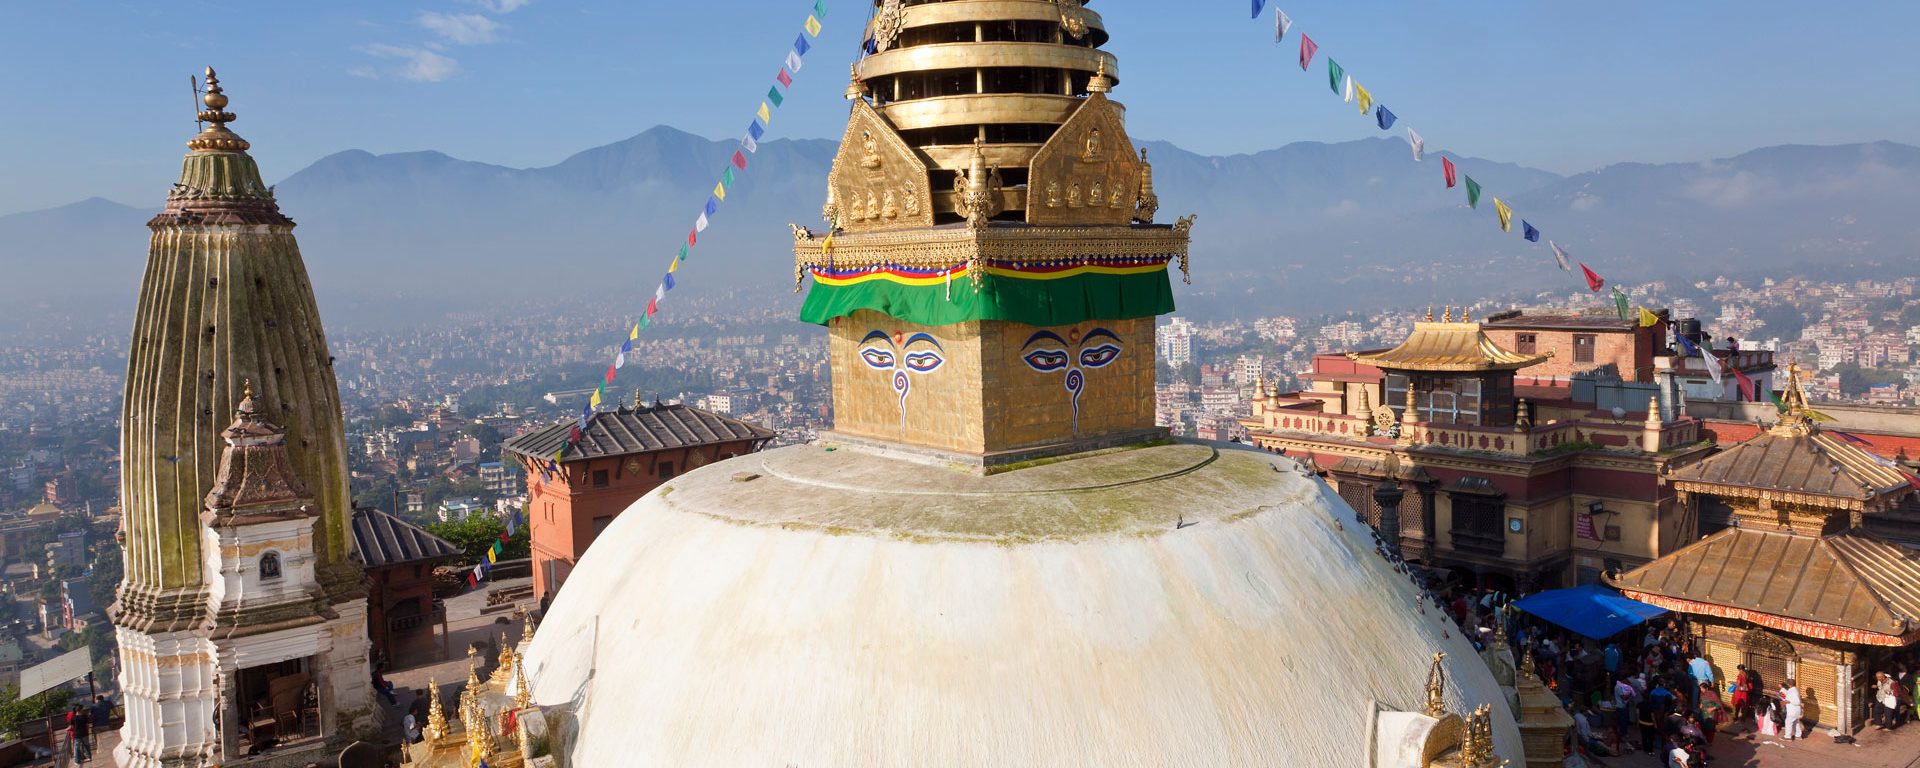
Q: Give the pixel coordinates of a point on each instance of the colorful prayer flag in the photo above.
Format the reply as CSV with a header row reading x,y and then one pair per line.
x,y
726,177
774,96
666,281
1446,168
801,46
747,143
493,556
820,8
1560,255
683,252
1419,145
813,27
720,191
1527,231
693,238
635,334
1335,74
756,130
1740,379
1365,99
1307,49
1280,25
620,359
1620,305
765,115
653,305
1775,399
793,62
1648,319
700,224
1473,193
786,80
1594,280
739,160
1346,89
1712,362
1383,117
1257,5
609,374
594,399
673,266
1505,212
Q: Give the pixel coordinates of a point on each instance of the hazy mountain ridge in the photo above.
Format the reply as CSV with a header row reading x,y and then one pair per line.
x,y
1276,228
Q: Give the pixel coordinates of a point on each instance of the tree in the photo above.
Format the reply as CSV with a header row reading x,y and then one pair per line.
x,y
1855,380
475,534
1190,373
15,712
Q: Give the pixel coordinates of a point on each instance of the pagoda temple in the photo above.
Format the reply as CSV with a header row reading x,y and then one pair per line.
x,y
1790,583
240,620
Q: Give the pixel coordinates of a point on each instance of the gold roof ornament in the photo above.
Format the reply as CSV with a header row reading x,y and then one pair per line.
x,y
215,137
1526,660
436,713
1797,415
1100,83
1448,347
1437,686
1476,746
506,655
522,695
526,627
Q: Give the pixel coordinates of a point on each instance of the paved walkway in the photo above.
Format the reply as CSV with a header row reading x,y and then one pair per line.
x,y
1742,749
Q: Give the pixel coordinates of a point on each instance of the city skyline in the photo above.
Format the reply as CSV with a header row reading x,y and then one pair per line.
x,y
547,79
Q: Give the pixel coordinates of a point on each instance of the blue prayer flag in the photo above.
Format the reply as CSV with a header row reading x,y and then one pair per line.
x,y
1257,5
668,281
713,205
1526,230
1384,117
626,346
756,130
801,46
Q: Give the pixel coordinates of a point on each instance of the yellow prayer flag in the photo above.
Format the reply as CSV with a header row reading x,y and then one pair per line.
x,y
1506,214
813,26
826,246
595,399
634,335
766,118
675,266
720,191
1364,99
1648,319
1817,416
491,557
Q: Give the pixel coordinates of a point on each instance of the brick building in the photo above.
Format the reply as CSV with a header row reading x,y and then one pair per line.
x,y
623,454
401,612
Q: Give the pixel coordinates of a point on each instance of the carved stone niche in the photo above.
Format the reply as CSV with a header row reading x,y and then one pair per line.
x,y
878,181
1088,173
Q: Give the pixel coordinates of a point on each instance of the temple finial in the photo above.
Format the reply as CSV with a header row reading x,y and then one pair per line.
x,y
215,137
1429,313
1100,83
246,406
1437,687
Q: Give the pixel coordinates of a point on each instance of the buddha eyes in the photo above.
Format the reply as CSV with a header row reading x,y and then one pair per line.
x,y
922,362
1099,356
877,358
1045,360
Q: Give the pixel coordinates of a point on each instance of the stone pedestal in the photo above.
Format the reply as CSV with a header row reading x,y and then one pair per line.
x,y
1543,723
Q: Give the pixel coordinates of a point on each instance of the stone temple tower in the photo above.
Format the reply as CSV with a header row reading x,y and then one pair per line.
x,y
213,629
992,267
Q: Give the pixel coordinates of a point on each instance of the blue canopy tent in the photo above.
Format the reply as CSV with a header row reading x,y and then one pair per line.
x,y
1592,610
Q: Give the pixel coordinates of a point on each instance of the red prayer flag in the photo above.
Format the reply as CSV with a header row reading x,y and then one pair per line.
x,y
575,436
1594,280
1746,384
610,374
785,79
653,305
1307,48
739,160
1446,167
693,237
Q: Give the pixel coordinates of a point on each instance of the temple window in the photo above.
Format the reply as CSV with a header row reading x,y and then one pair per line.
x,y
1479,523
1583,347
1525,343
270,566
600,478
666,469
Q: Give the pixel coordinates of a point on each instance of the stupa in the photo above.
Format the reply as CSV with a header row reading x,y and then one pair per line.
x,y
995,557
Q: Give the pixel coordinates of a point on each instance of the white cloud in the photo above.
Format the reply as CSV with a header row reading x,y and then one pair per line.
x,y
462,28
416,64
502,6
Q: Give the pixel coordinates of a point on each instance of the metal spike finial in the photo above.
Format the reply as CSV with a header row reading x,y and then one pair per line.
x,y
1437,687
215,137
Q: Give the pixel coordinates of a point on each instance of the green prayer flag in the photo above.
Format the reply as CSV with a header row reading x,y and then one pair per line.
x,y
1473,193
646,320
1620,304
1775,399
1334,73
820,8
726,177
683,251
773,95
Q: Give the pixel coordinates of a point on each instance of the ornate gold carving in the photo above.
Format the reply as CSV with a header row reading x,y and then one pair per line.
x,y
1073,19
941,248
436,714
976,191
1091,158
216,137
886,25
1053,194
1184,227
1145,203
878,180
1437,687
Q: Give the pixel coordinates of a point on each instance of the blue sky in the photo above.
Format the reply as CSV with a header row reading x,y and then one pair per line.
x,y
101,100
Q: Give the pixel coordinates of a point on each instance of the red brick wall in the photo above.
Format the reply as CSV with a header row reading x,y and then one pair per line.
x,y
1631,352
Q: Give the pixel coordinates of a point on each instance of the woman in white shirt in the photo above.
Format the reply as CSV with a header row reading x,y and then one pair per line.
x,y
1790,696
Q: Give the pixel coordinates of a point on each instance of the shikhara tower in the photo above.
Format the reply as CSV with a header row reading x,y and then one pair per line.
x,y
238,587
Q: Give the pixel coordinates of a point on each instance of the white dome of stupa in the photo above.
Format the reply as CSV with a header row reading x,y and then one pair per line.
x,y
1176,605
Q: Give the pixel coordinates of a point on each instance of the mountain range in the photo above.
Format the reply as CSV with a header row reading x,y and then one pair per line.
x,y
1307,227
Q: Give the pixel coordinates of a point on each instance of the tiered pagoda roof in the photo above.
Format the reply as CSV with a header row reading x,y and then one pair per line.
x,y
1446,346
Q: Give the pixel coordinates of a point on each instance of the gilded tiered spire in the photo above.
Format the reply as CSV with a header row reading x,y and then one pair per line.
x,y
436,713
1797,415
215,137
1437,687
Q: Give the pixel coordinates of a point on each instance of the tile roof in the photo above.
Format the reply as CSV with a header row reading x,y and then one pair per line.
x,y
1447,347
1601,320
637,430
1794,460
383,539
1853,580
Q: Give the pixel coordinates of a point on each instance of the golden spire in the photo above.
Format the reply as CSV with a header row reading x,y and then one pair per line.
x,y
436,714
1437,687
522,695
1429,313
1466,315
215,137
506,654
1797,415
1476,746
1100,83
1448,317
855,87
1526,660
526,627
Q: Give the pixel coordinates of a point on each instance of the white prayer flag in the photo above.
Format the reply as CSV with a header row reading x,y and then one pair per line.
x,y
1712,362
659,292
793,61
700,224
620,360
1560,256
748,143
1280,25
1419,145
1347,89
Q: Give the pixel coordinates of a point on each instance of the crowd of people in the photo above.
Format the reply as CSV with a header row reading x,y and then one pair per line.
x,y
1652,689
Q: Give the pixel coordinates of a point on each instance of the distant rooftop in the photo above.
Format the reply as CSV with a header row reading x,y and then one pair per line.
x,y
383,539
643,429
1601,320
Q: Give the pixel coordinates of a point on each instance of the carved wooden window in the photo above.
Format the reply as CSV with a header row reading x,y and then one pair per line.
x,y
1479,524
270,566
1525,343
599,478
1583,347
666,469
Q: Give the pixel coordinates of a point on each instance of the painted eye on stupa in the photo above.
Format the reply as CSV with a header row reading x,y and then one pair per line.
x,y
1046,360
877,358
1096,357
923,362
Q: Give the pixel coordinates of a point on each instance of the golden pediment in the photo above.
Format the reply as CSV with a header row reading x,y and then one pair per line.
x,y
878,180
1088,173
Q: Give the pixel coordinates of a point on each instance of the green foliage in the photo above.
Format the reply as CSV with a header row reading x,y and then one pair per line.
x,y
476,534
1783,320
1855,380
14,711
1910,316
1190,374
